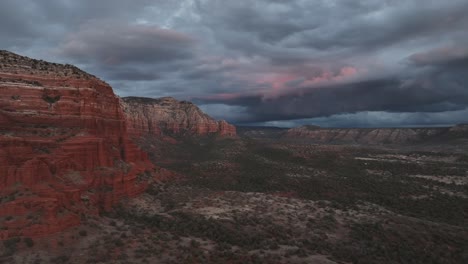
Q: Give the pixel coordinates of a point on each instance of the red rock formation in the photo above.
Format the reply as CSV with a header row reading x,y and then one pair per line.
x,y
64,148
167,116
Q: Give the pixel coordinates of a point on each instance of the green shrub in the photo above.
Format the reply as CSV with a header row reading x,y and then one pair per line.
x,y
51,99
11,245
28,241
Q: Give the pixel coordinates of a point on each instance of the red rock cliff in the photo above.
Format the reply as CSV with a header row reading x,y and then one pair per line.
x,y
64,149
167,116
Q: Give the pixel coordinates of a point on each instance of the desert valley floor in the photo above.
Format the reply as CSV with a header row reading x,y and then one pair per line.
x,y
262,198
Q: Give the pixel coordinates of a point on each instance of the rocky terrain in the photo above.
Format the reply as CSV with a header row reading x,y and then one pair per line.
x,y
276,201
376,135
75,189
169,117
64,148
261,132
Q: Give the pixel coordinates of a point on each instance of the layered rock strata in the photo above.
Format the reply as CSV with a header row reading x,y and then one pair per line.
x,y
375,135
167,116
64,148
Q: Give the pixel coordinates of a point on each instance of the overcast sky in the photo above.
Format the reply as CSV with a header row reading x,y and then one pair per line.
x,y
269,62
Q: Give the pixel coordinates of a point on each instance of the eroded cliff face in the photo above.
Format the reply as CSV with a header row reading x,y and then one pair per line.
x,y
64,148
367,135
167,116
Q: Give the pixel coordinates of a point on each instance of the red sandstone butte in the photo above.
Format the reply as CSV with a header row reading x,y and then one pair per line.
x,y
167,116
64,148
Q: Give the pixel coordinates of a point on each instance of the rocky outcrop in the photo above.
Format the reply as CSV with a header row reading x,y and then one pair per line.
x,y
460,129
167,116
365,135
64,148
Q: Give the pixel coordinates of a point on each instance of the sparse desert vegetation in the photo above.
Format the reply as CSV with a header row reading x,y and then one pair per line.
x,y
272,201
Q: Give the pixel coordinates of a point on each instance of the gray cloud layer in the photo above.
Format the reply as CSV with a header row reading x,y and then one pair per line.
x,y
262,61
107,42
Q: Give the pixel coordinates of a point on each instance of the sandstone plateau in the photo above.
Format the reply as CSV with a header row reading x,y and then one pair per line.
x,y
376,135
168,117
64,148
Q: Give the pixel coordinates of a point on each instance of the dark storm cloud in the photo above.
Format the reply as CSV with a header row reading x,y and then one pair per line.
x,y
341,62
26,22
252,26
355,30
451,56
109,43
269,27
14,29
379,29
437,90
130,74
379,119
441,87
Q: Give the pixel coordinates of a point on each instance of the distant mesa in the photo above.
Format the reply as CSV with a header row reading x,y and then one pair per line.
x,y
167,116
462,126
460,129
376,135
